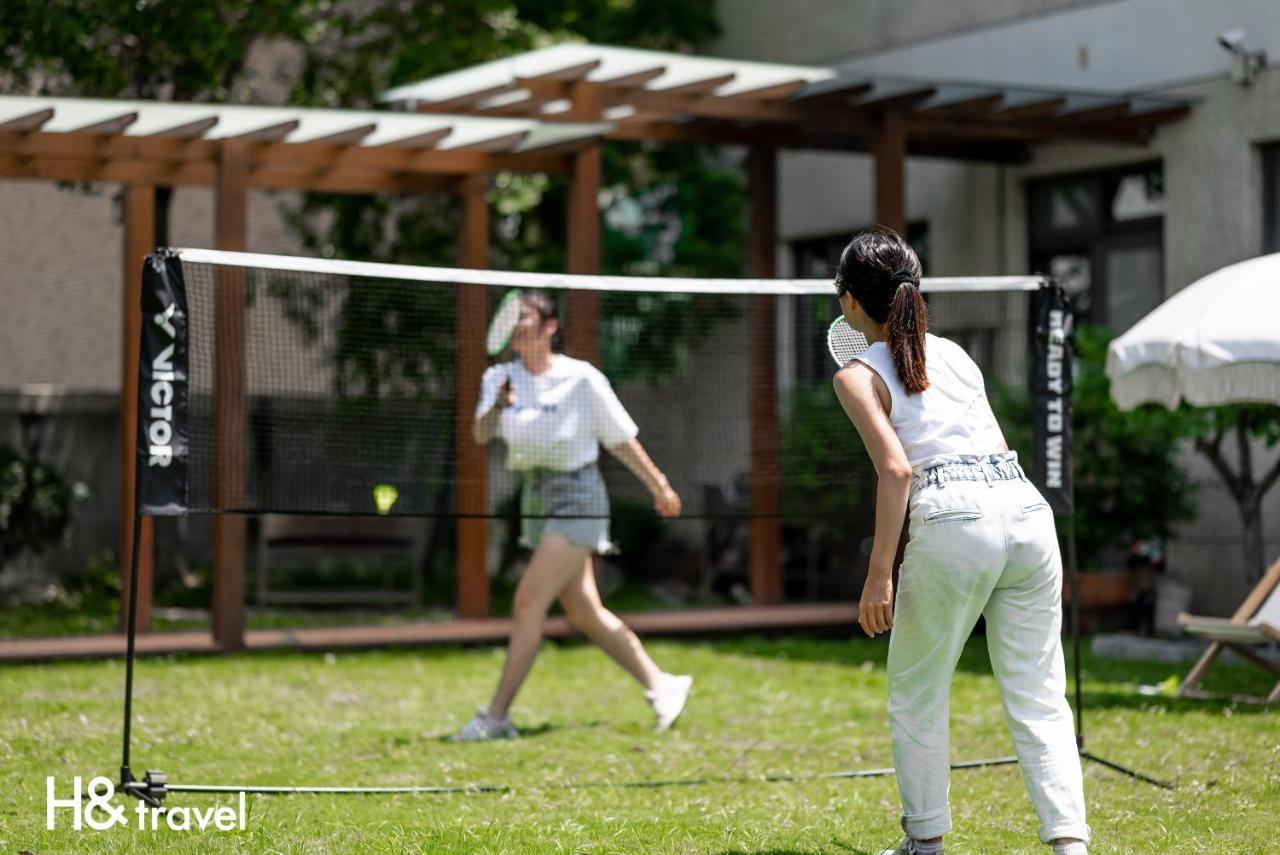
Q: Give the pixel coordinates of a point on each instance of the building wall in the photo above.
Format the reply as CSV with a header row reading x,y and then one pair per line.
x,y
821,31
976,214
1213,217
60,273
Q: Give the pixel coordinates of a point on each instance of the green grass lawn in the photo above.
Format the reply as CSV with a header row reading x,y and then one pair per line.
x,y
760,707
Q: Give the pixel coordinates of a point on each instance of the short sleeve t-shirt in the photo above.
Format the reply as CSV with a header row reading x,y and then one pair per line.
x,y
561,417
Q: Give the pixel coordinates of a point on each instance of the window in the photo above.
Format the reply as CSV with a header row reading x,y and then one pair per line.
x,y
1271,197
1100,235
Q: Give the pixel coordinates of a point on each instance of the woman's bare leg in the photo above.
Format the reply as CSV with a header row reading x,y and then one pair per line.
x,y
585,611
555,562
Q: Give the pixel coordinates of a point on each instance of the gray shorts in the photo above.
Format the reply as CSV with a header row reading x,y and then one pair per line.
x,y
572,504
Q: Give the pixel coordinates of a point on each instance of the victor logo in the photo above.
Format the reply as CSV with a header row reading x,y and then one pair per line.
x,y
160,421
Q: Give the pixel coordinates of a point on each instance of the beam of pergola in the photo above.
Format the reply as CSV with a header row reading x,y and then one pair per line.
x,y
179,161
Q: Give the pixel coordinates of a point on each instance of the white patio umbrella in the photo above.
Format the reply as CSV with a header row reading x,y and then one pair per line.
x,y
1217,341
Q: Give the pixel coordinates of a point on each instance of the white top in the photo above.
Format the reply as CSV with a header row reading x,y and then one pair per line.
x,y
560,417
952,416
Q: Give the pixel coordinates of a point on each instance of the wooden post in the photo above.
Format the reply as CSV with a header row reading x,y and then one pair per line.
x,y
766,527
230,401
139,239
582,335
473,547
889,145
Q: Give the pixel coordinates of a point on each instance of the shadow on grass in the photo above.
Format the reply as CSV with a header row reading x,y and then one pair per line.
x,y
1097,699
1119,678
530,732
839,847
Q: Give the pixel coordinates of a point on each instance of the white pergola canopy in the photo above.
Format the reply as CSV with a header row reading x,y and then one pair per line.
x,y
363,128
492,83
663,95
1215,342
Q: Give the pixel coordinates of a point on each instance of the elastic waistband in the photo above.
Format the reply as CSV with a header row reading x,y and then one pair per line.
x,y
542,473
1001,466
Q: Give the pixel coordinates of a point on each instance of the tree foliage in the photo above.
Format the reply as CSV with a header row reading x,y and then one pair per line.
x,y
36,505
143,49
1249,425
670,209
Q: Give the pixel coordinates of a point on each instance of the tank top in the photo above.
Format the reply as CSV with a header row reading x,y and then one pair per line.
x,y
952,416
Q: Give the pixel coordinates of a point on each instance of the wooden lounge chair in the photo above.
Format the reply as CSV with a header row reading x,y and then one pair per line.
x,y
1257,621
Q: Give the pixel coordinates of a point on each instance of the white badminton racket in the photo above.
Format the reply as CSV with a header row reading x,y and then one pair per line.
x,y
503,326
844,342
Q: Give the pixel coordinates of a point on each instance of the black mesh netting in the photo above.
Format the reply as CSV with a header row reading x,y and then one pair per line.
x,y
350,395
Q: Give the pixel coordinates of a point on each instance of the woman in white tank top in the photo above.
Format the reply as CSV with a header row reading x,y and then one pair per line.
x,y
982,542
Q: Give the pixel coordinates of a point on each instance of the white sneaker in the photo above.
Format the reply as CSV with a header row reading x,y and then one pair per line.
x,y
907,847
669,698
485,726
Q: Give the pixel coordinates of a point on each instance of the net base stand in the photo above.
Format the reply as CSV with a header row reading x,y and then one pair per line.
x,y
152,789
1123,770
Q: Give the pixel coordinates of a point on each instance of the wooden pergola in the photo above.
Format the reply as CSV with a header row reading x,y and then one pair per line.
x,y
651,95
143,145
544,112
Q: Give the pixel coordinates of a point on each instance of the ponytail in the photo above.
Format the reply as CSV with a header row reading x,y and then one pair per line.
x,y
908,319
883,272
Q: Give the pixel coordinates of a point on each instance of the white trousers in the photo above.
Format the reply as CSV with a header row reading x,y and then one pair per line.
x,y
982,541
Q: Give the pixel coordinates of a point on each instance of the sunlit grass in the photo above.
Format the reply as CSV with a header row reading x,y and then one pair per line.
x,y
760,707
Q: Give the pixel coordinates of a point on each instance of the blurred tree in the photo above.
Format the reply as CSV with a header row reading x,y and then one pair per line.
x,y
672,207
153,49
36,504
668,209
1250,423
144,49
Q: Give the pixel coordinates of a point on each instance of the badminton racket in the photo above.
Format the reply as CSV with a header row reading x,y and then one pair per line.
x,y
503,325
844,342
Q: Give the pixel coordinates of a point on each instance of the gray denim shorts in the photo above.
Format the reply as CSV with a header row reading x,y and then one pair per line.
x,y
572,504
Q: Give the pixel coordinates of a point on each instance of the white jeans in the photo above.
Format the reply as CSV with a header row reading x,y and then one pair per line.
x,y
982,541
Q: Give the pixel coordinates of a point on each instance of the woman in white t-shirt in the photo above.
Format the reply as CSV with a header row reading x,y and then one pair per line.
x,y
982,542
554,412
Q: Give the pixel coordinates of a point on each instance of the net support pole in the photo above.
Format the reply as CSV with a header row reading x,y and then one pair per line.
x,y
766,528
230,401
139,239
473,546
582,232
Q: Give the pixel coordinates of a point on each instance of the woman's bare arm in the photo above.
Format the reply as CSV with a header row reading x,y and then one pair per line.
x,y
634,457
855,387
486,426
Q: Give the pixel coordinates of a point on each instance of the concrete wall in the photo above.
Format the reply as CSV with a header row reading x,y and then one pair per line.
x,y
60,274
1213,217
824,31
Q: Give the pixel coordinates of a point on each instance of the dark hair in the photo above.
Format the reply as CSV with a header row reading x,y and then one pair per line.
x,y
542,303
882,272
